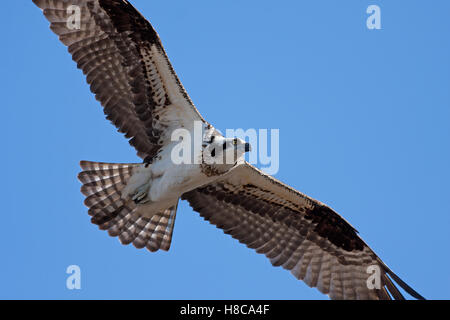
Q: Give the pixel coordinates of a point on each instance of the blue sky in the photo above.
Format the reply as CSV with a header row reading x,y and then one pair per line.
x,y
364,127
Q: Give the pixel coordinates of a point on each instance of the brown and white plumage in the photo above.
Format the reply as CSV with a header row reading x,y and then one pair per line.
x,y
294,231
126,67
102,186
129,73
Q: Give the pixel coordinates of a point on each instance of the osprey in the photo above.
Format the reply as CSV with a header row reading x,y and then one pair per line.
x,y
128,71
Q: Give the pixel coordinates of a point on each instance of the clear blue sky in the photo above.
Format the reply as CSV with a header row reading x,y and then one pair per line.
x,y
364,127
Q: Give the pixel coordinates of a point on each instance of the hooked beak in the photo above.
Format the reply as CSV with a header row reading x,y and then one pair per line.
x,y
248,147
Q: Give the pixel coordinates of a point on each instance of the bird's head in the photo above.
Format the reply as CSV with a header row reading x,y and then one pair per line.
x,y
227,151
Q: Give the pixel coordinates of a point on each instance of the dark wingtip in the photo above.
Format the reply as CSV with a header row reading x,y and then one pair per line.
x,y
39,3
413,293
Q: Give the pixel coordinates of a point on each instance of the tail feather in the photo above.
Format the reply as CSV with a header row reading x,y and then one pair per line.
x,y
158,231
141,238
102,185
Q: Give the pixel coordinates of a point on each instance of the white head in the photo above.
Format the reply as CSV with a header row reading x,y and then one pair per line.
x,y
226,151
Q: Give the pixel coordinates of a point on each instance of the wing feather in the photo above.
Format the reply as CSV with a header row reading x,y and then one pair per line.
x,y
126,67
294,231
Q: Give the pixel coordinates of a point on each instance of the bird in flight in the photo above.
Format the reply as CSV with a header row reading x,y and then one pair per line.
x,y
130,74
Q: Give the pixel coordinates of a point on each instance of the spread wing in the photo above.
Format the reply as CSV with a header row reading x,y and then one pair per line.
x,y
126,67
296,232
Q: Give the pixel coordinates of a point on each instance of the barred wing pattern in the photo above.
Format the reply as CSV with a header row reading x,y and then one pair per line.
x,y
102,186
128,71
296,232
126,67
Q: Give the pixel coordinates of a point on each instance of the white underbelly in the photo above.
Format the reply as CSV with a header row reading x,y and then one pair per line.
x,y
175,181
164,181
